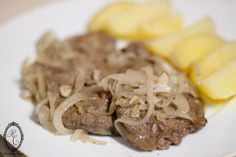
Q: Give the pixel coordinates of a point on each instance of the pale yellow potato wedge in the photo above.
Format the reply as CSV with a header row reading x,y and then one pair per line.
x,y
164,46
192,48
220,84
126,25
100,19
162,25
213,61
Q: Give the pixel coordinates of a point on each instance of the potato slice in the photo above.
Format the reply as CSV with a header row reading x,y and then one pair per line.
x,y
162,25
220,84
193,48
164,46
100,19
210,63
126,25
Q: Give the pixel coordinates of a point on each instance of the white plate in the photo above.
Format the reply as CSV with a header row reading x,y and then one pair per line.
x,y
17,41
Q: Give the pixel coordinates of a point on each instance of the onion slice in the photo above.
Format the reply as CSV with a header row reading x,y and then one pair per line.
x,y
150,97
65,105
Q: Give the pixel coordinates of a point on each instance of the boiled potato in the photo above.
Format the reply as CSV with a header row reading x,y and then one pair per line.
x,y
220,84
193,48
164,46
213,61
162,25
101,18
126,25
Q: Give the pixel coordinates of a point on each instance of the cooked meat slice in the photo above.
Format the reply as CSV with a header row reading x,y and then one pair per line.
x,y
196,112
82,62
85,115
84,55
161,134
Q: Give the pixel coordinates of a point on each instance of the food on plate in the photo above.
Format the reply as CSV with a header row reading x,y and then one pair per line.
x,y
165,46
193,48
137,21
156,134
213,61
222,83
85,84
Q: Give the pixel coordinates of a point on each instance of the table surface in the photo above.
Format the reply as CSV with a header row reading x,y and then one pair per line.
x,y
11,8
5,151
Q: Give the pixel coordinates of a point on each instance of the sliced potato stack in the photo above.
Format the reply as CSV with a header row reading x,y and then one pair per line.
x,y
222,83
215,74
137,21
